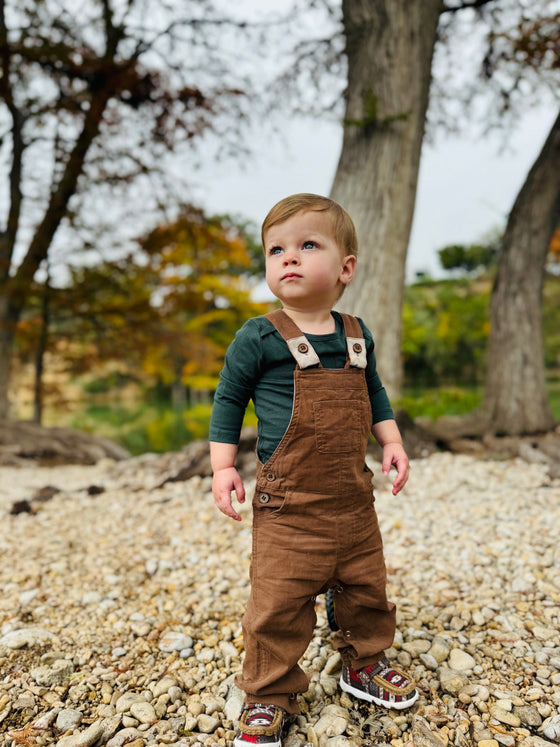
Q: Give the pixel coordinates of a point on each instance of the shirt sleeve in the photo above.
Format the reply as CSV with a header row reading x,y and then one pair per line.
x,y
380,406
237,383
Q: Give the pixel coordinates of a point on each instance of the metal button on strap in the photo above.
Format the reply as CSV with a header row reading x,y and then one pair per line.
x,y
347,634
357,347
303,348
264,498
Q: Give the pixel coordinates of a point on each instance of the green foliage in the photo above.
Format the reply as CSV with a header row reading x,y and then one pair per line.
x,y
434,403
445,330
551,322
472,258
146,427
446,325
111,382
554,397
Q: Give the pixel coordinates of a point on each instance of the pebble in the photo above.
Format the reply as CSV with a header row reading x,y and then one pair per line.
x,y
460,660
121,616
439,649
68,719
174,641
504,717
143,712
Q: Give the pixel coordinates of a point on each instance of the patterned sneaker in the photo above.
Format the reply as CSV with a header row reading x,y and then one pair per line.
x,y
381,684
260,724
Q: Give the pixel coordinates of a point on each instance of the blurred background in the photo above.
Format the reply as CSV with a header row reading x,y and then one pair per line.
x,y
142,143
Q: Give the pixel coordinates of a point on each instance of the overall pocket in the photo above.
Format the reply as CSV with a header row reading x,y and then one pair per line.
x,y
339,426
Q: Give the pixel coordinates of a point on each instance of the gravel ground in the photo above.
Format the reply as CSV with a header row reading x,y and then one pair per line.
x,y
121,604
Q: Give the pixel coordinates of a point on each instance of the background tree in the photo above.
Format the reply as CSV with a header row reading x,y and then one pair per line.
x,y
377,173
94,98
470,258
516,398
516,402
161,316
389,48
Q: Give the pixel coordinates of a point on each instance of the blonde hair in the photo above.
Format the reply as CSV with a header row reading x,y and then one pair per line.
x,y
344,231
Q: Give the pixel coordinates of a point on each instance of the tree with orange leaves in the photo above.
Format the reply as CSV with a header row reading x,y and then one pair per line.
x,y
165,313
99,105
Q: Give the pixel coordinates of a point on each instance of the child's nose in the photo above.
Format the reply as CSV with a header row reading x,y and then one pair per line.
x,y
291,257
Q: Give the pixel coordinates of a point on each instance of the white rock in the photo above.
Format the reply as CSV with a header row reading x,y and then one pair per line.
x,y
55,675
429,661
173,640
144,712
332,722
44,721
68,719
126,701
228,649
439,649
124,736
212,703
164,685
83,738
233,706
207,724
460,660
26,637
551,727
334,663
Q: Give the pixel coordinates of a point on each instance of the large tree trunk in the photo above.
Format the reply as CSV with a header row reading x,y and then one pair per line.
x,y
389,45
515,398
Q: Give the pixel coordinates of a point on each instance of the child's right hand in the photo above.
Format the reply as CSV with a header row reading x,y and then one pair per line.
x,y
224,481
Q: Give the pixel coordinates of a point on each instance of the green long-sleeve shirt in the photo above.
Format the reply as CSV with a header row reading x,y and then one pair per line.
x,y
260,367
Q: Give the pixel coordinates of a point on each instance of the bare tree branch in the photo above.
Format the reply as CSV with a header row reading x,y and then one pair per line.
x,y
474,5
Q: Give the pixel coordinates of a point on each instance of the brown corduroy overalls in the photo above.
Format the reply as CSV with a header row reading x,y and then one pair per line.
x,y
315,526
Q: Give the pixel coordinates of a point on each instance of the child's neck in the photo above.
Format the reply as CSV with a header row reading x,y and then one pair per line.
x,y
315,322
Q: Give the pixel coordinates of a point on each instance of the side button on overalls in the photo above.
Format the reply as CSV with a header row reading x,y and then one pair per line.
x,y
315,526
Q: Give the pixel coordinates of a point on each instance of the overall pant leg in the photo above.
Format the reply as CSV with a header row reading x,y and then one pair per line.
x,y
366,619
280,616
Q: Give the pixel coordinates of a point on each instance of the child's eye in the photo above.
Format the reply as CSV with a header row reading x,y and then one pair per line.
x,y
275,250
309,245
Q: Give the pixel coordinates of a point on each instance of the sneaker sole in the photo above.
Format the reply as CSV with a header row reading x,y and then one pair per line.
x,y
378,701
244,743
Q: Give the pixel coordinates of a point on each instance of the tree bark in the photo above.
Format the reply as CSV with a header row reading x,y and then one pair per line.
x,y
516,399
389,46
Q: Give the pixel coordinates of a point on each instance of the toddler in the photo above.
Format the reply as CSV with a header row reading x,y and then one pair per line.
x,y
312,376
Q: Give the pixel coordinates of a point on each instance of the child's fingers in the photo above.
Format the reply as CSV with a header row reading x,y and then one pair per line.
x,y
402,477
223,502
239,489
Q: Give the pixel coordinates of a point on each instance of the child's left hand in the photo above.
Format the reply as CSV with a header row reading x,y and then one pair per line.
x,y
394,454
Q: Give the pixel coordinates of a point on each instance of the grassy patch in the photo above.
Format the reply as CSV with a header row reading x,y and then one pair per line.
x,y
434,403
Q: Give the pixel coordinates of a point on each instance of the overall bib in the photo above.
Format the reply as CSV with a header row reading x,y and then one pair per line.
x,y
315,526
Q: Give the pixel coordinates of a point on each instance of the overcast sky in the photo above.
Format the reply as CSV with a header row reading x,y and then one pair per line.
x,y
466,187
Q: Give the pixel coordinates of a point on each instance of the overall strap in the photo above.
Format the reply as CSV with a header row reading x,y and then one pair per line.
x,y
297,342
355,342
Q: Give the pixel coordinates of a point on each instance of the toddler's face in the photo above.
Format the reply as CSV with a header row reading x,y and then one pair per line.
x,y
304,265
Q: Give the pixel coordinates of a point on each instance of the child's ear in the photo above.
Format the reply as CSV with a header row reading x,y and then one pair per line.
x,y
348,268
